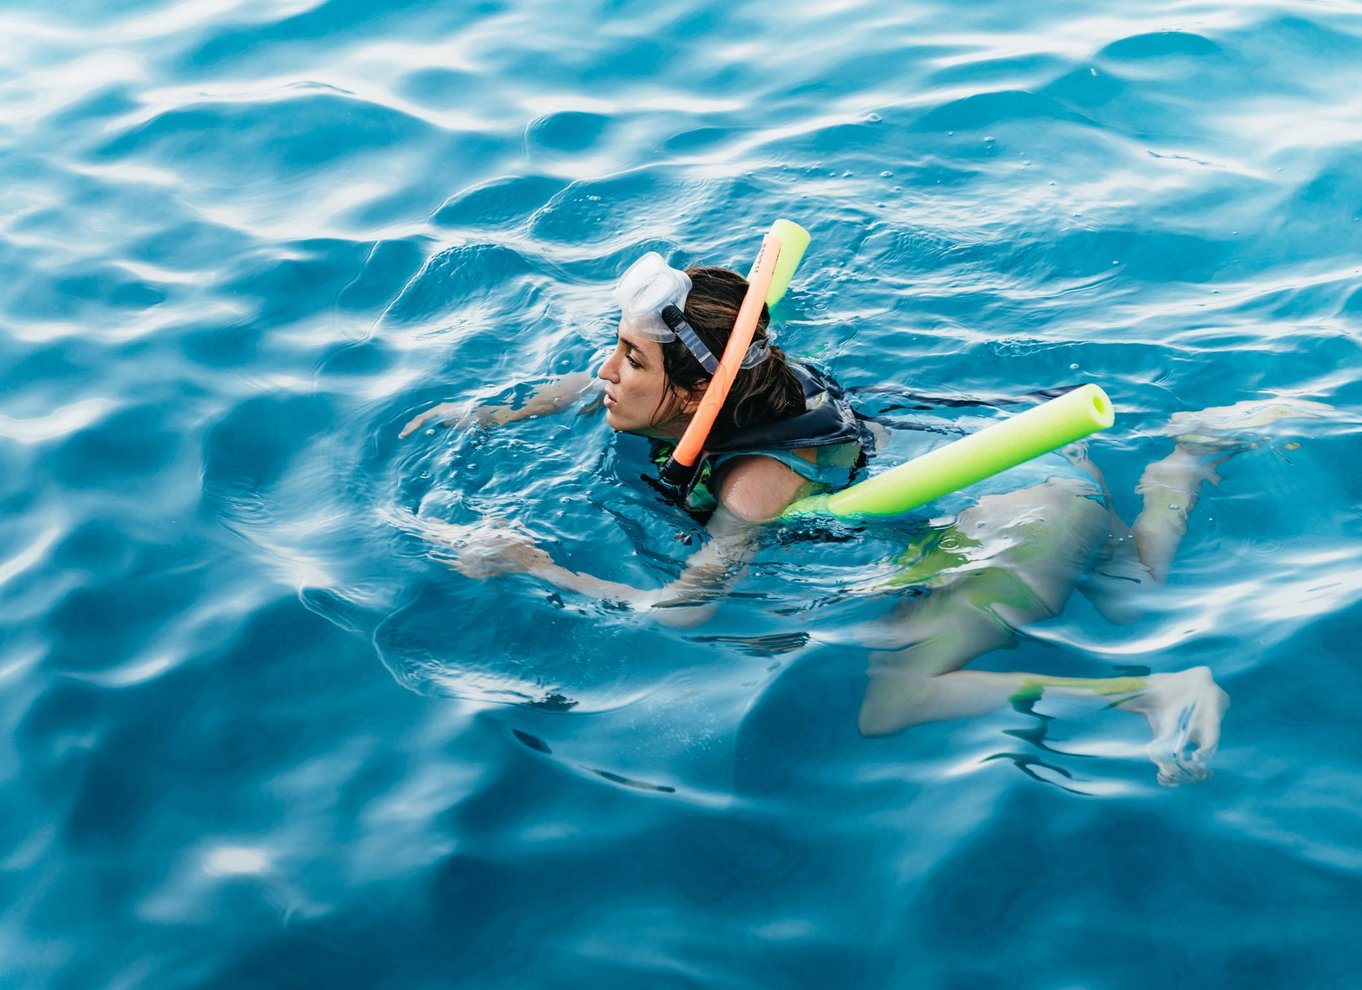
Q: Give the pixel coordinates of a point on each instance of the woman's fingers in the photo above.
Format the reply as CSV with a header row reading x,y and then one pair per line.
x,y
449,409
491,548
415,422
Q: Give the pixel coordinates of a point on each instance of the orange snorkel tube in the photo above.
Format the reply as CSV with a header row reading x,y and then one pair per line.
x,y
684,462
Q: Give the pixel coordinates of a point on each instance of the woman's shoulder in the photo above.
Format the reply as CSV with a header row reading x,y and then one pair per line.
x,y
757,488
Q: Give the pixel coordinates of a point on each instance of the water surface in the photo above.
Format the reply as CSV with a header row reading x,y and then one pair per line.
x,y
257,736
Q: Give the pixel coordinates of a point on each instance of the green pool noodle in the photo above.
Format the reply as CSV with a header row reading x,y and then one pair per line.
x,y
957,465
794,240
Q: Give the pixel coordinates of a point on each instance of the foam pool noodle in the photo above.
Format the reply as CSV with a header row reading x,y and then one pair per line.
x,y
992,450
794,240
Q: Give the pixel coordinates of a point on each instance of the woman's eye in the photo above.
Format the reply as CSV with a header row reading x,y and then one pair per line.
x,y
632,362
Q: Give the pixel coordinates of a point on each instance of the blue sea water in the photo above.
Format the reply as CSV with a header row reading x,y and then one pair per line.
x,y
257,732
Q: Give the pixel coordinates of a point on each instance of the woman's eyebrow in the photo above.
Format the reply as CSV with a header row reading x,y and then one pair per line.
x,y
634,349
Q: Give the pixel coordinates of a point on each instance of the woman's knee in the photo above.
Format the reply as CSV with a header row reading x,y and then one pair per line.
x,y
893,700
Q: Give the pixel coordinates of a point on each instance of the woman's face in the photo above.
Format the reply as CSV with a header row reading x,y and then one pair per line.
x,y
637,399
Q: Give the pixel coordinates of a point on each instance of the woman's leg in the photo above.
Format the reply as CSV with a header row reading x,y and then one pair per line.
x,y
1183,709
1170,488
1011,560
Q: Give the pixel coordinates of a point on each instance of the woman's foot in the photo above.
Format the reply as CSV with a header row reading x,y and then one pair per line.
x,y
1229,429
1184,712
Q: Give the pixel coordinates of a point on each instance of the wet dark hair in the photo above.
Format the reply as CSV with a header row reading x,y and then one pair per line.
x,y
762,394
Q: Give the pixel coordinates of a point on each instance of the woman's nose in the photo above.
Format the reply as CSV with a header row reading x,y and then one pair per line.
x,y
610,369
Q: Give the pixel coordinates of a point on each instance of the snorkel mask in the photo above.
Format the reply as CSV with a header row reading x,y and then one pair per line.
x,y
652,297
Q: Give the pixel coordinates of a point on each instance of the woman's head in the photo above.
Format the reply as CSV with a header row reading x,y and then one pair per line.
x,y
655,388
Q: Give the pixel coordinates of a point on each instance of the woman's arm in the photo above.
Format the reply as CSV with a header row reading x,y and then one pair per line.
x,y
753,491
493,548
690,598
552,396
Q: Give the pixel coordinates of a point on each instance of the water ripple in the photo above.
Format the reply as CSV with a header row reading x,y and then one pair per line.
x,y
260,728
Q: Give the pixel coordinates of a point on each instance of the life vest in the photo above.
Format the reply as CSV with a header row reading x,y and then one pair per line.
x,y
827,422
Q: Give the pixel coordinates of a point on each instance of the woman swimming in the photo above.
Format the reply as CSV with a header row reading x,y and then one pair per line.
x,y
786,430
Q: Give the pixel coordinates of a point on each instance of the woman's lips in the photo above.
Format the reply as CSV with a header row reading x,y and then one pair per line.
x,y
609,400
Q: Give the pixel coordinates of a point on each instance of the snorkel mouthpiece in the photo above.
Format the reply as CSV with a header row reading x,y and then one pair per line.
x,y
677,479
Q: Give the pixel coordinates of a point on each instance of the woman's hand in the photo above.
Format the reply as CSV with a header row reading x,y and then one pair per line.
x,y
488,549
447,409
460,415
552,397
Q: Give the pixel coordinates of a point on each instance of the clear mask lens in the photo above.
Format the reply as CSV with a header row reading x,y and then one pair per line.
x,y
646,288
